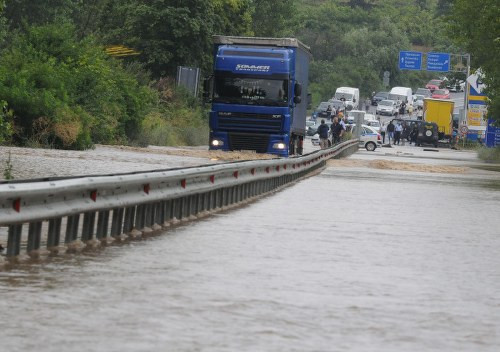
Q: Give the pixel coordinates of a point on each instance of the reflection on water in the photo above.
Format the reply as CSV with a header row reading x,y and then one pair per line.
x,y
355,259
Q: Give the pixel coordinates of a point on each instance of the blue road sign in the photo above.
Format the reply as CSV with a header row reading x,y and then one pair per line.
x,y
438,62
492,135
410,60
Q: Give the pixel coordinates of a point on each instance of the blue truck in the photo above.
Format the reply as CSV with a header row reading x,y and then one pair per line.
x,y
258,94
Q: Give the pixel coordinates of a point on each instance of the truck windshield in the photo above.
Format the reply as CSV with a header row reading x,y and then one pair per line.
x,y
250,90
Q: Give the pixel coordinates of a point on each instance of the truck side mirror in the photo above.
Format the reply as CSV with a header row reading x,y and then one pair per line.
x,y
297,99
309,101
298,89
207,88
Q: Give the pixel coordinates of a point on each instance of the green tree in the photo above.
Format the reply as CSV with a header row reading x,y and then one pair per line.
x,y
67,92
475,26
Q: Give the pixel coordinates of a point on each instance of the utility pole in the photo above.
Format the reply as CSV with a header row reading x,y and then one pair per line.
x,y
466,97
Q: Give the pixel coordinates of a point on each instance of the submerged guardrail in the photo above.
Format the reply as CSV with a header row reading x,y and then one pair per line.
x,y
97,208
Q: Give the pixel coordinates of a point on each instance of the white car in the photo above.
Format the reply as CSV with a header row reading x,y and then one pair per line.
x,y
418,102
369,139
387,107
373,123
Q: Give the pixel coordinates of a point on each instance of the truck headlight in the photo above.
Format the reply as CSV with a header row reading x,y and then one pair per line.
x,y
279,145
217,143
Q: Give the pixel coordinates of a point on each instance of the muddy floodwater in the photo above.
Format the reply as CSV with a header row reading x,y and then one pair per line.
x,y
365,256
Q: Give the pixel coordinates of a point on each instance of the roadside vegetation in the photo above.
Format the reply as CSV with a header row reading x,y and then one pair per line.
x,y
59,88
489,154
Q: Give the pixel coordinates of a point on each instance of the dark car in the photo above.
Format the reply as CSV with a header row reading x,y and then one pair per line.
x,y
410,125
428,134
379,97
322,109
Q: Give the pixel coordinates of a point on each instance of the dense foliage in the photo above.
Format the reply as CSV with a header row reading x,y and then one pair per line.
x,y
59,88
480,35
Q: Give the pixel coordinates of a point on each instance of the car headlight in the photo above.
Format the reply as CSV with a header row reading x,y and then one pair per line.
x,y
217,143
279,146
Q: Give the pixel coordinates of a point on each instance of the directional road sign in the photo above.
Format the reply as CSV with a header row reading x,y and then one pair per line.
x,y
410,60
476,81
438,62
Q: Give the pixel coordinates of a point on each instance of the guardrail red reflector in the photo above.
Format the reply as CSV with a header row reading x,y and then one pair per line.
x,y
278,168
253,171
212,178
183,183
235,174
93,195
267,169
146,188
16,205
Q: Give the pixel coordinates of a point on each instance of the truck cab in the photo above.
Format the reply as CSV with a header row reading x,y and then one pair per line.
x,y
258,93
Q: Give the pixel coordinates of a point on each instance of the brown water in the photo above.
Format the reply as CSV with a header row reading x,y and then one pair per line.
x,y
355,259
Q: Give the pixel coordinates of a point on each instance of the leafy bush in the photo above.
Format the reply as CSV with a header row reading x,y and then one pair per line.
x,y
489,154
67,93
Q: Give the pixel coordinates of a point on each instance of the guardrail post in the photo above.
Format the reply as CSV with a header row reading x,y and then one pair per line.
x,y
88,226
160,213
14,240
117,222
54,234
128,223
140,217
34,235
167,212
72,228
102,224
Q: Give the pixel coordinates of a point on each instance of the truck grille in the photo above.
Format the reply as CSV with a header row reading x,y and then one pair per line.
x,y
243,141
239,121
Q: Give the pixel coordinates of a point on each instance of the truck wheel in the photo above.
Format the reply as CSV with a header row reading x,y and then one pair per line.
x,y
370,146
292,147
300,145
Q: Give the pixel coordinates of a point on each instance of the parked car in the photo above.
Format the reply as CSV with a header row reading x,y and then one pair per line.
x,y
424,91
369,139
428,134
378,97
311,127
418,103
456,86
387,107
337,104
435,84
373,123
441,94
321,109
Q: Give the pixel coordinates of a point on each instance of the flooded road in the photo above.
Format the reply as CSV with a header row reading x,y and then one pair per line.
x,y
358,258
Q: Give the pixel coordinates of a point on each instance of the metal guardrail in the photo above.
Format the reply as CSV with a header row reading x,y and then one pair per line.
x,y
99,207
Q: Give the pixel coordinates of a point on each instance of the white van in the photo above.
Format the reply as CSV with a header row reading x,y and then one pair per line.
x,y
349,95
401,94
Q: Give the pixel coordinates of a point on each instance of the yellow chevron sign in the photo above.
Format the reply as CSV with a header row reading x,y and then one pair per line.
x,y
120,51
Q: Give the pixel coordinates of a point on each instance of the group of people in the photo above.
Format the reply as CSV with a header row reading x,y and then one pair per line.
x,y
331,135
332,112
395,132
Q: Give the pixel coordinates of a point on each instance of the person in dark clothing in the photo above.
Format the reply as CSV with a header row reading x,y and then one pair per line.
x,y
390,131
323,134
337,129
329,112
414,134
